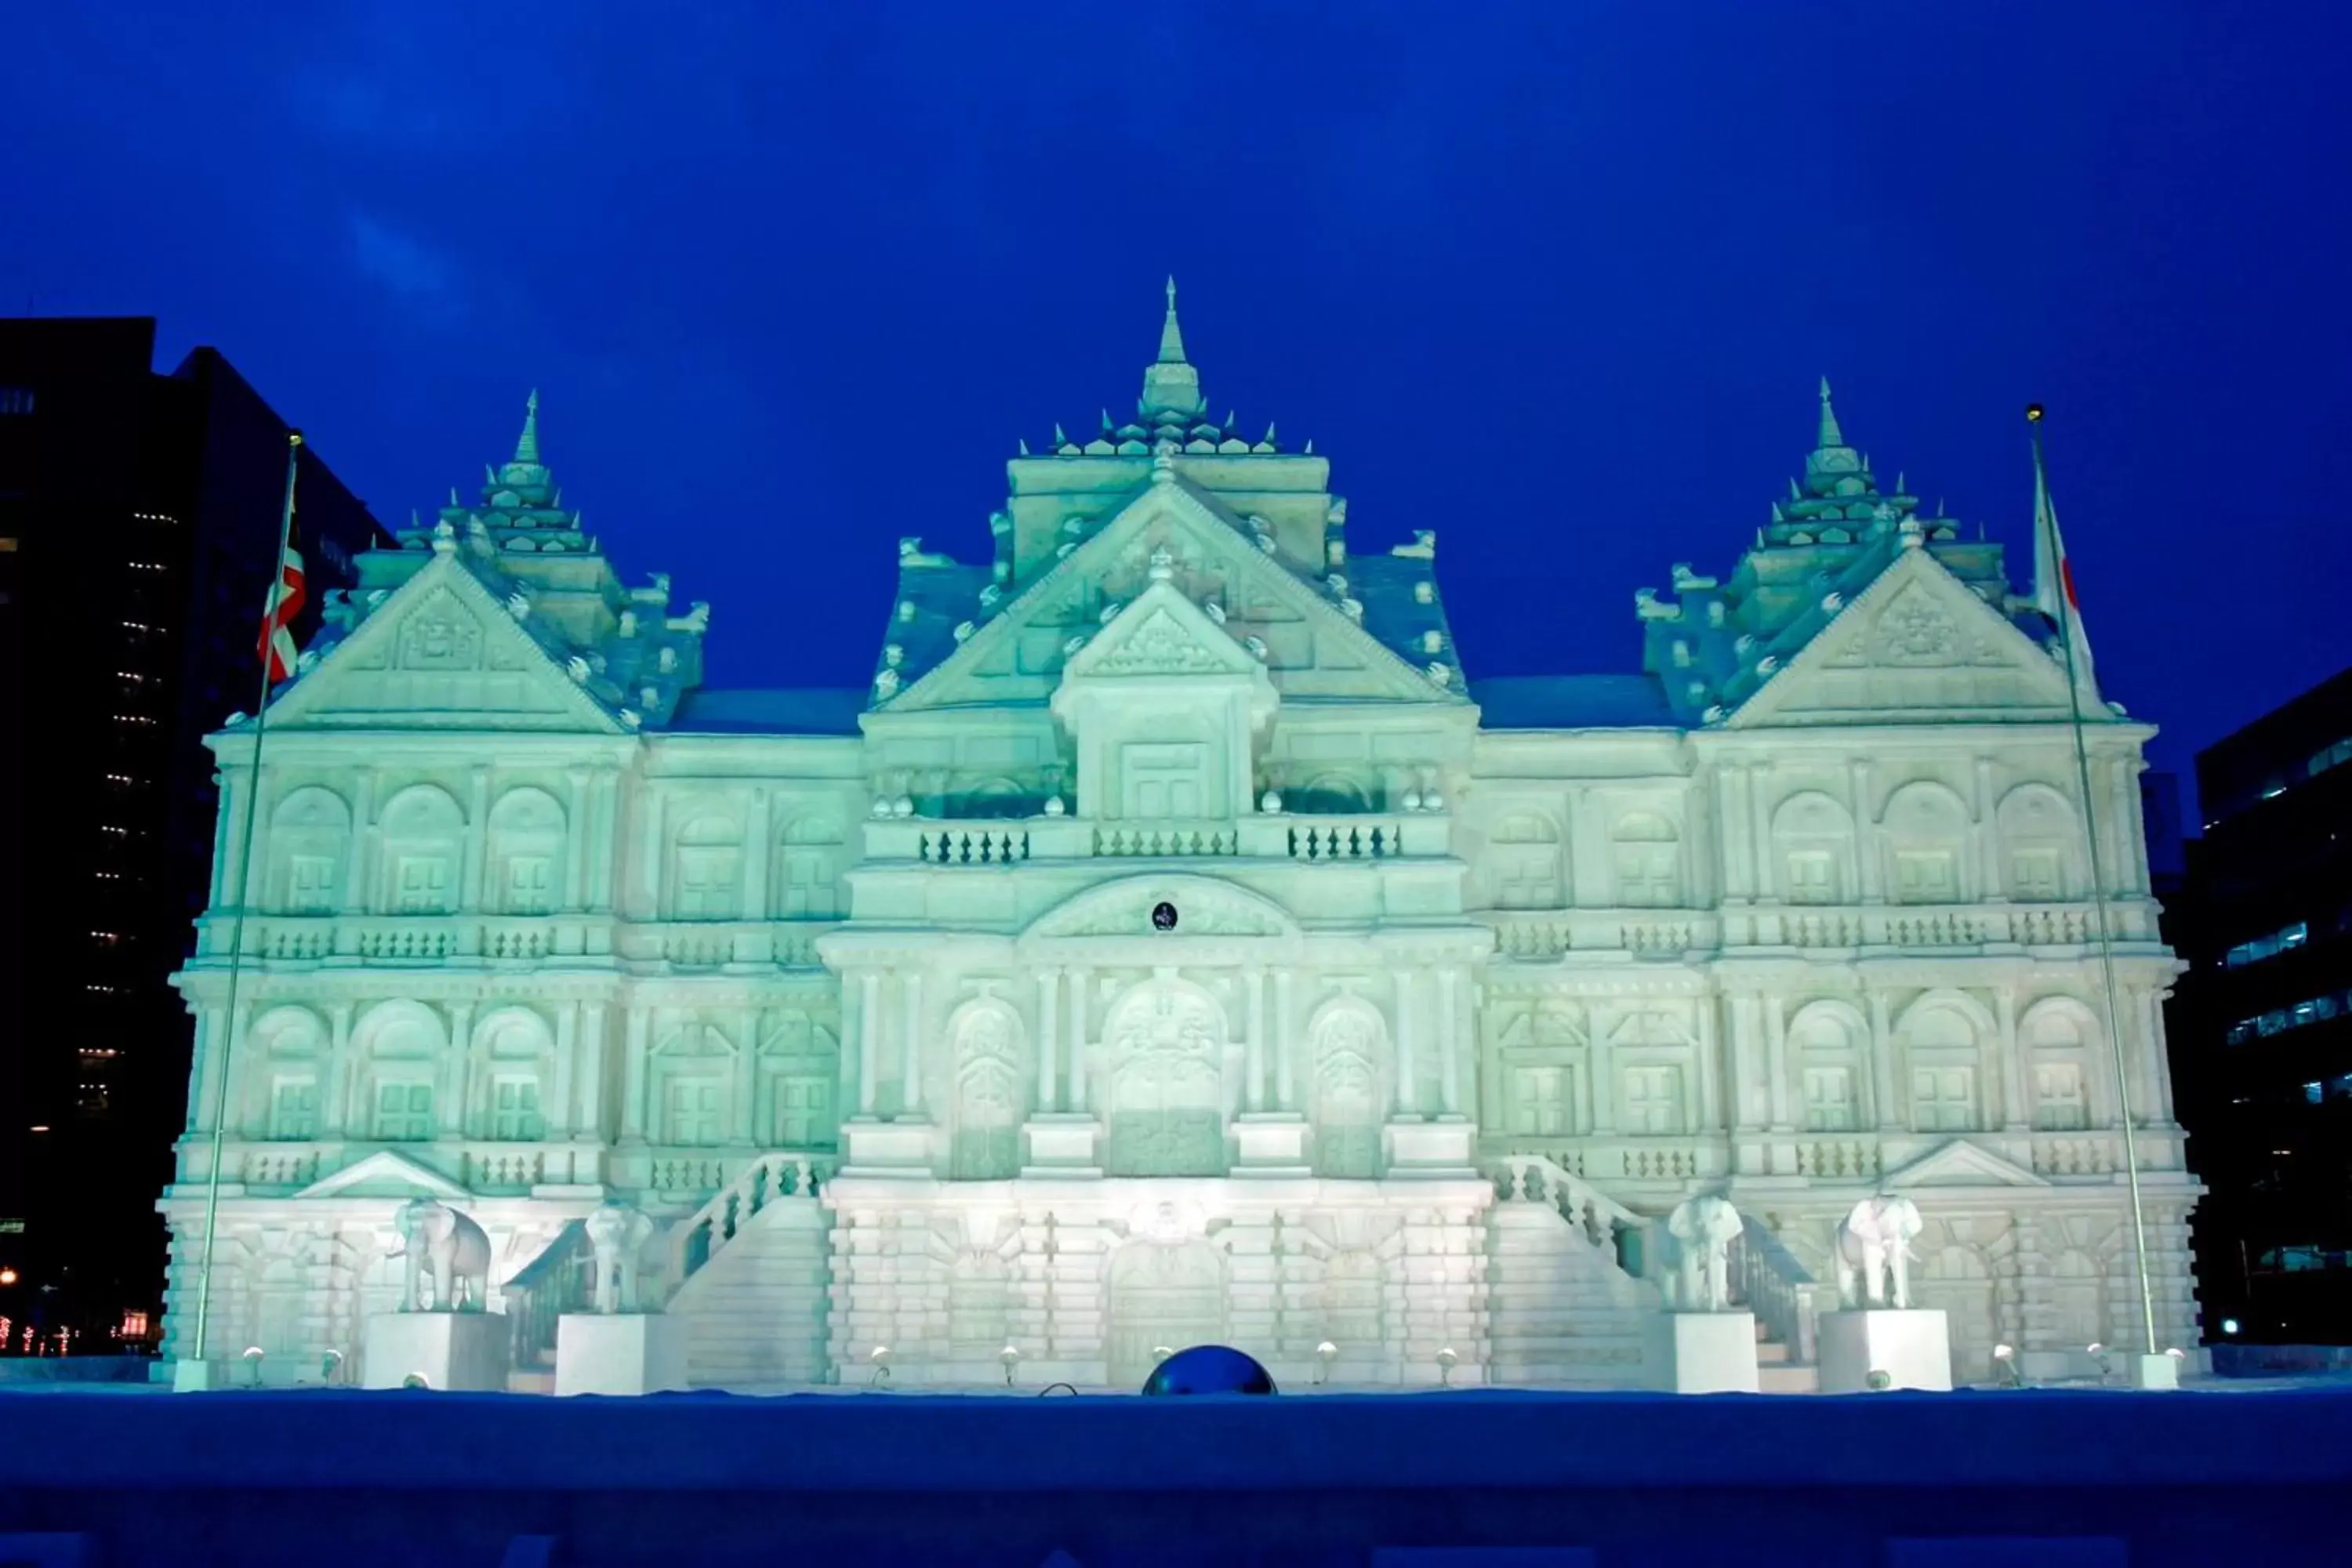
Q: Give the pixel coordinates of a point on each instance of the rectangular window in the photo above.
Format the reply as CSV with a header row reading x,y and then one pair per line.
x,y
1829,1100
1648,875
2034,876
2286,939
1926,876
694,1112
1812,876
1944,1099
809,886
421,885
312,880
800,1116
514,1111
2058,1103
403,1112
1654,1099
530,885
294,1108
707,878
1541,1100
15,402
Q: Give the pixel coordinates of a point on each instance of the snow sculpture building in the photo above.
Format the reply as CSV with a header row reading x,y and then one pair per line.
x,y
1172,945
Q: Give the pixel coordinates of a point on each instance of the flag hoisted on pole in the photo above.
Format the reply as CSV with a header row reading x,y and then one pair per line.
x,y
2053,595
274,651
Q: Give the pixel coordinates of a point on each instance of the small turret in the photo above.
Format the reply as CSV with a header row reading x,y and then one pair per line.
x,y
1171,383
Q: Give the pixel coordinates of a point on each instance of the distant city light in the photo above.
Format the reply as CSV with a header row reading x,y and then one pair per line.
x,y
2229,1325
40,1130
8,1276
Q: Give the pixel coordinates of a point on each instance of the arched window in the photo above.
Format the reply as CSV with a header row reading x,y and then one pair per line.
x,y
1825,1048
401,1046
309,833
424,844
1648,854
516,1058
1927,837
1813,838
526,853
2058,1036
290,1046
1940,1041
2042,845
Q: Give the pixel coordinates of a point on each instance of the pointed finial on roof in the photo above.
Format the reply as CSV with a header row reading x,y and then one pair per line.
x,y
1830,435
527,448
1024,445
1059,439
1171,335
1171,383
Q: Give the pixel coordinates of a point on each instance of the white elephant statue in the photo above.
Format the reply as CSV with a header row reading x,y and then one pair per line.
x,y
1702,1230
458,1251
617,1234
1873,1252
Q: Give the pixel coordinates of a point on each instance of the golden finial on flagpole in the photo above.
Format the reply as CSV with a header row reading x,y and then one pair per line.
x,y
2033,413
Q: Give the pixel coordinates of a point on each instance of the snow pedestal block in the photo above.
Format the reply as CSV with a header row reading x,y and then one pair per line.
x,y
1703,1353
620,1353
1912,1345
2154,1373
462,1350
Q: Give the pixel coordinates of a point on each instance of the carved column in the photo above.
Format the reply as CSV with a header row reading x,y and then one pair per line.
x,y
359,855
1739,869
632,1090
1407,1068
1710,1064
1079,1022
2157,1108
1283,1090
1990,881
910,1049
1604,1073
1886,1094
578,815
1867,868
1254,980
453,1120
739,1115
478,836
1048,1008
757,831
1449,1045
869,1040
1760,827
2016,1111
558,1114
1750,1097
605,843
650,878
1776,1062
337,1078
589,1075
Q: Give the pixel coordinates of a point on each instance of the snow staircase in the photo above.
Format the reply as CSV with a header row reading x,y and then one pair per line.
x,y
1561,1312
754,1262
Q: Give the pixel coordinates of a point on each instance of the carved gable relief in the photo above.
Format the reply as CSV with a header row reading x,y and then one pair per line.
x,y
1916,632
439,635
1161,646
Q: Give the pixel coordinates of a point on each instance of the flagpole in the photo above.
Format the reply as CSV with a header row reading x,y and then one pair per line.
x,y
2045,522
237,926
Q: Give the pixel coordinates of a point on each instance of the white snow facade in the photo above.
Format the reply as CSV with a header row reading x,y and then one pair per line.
x,y
1170,945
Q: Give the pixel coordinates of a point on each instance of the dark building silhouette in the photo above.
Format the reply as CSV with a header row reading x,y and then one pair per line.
x,y
139,519
2261,1025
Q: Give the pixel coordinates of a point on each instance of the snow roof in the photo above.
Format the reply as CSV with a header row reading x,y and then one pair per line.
x,y
1571,702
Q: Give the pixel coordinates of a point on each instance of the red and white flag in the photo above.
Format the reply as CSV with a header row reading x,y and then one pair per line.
x,y
2054,579
285,602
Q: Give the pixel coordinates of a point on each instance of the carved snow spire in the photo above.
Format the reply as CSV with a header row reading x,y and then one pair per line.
x,y
1830,436
527,446
1171,383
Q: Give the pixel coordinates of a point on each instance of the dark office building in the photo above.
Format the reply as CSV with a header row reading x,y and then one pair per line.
x,y
139,519
2262,1025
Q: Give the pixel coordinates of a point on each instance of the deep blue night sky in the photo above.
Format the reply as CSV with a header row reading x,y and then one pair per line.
x,y
1553,279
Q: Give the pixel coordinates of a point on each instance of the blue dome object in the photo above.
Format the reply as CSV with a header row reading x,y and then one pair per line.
x,y
1210,1369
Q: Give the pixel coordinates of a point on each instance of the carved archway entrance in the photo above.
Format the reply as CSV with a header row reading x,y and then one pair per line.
x,y
1166,1043
1163,1295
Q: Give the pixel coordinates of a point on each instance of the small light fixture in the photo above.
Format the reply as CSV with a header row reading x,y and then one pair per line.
x,y
8,1276
1446,1363
1879,1381
1327,1352
880,1356
253,1354
2004,1359
2229,1325
1010,1356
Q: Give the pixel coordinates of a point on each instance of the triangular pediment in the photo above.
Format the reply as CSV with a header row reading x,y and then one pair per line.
x,y
1915,646
442,652
384,1175
1162,633
1302,635
1960,1164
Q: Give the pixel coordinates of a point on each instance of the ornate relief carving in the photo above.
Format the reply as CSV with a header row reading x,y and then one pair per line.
x,y
1161,646
440,634
1916,632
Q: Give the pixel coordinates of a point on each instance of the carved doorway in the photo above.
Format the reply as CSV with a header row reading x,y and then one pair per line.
x,y
1162,1296
1347,1097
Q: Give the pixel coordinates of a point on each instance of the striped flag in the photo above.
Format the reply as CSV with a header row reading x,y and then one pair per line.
x,y
2054,574
286,597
